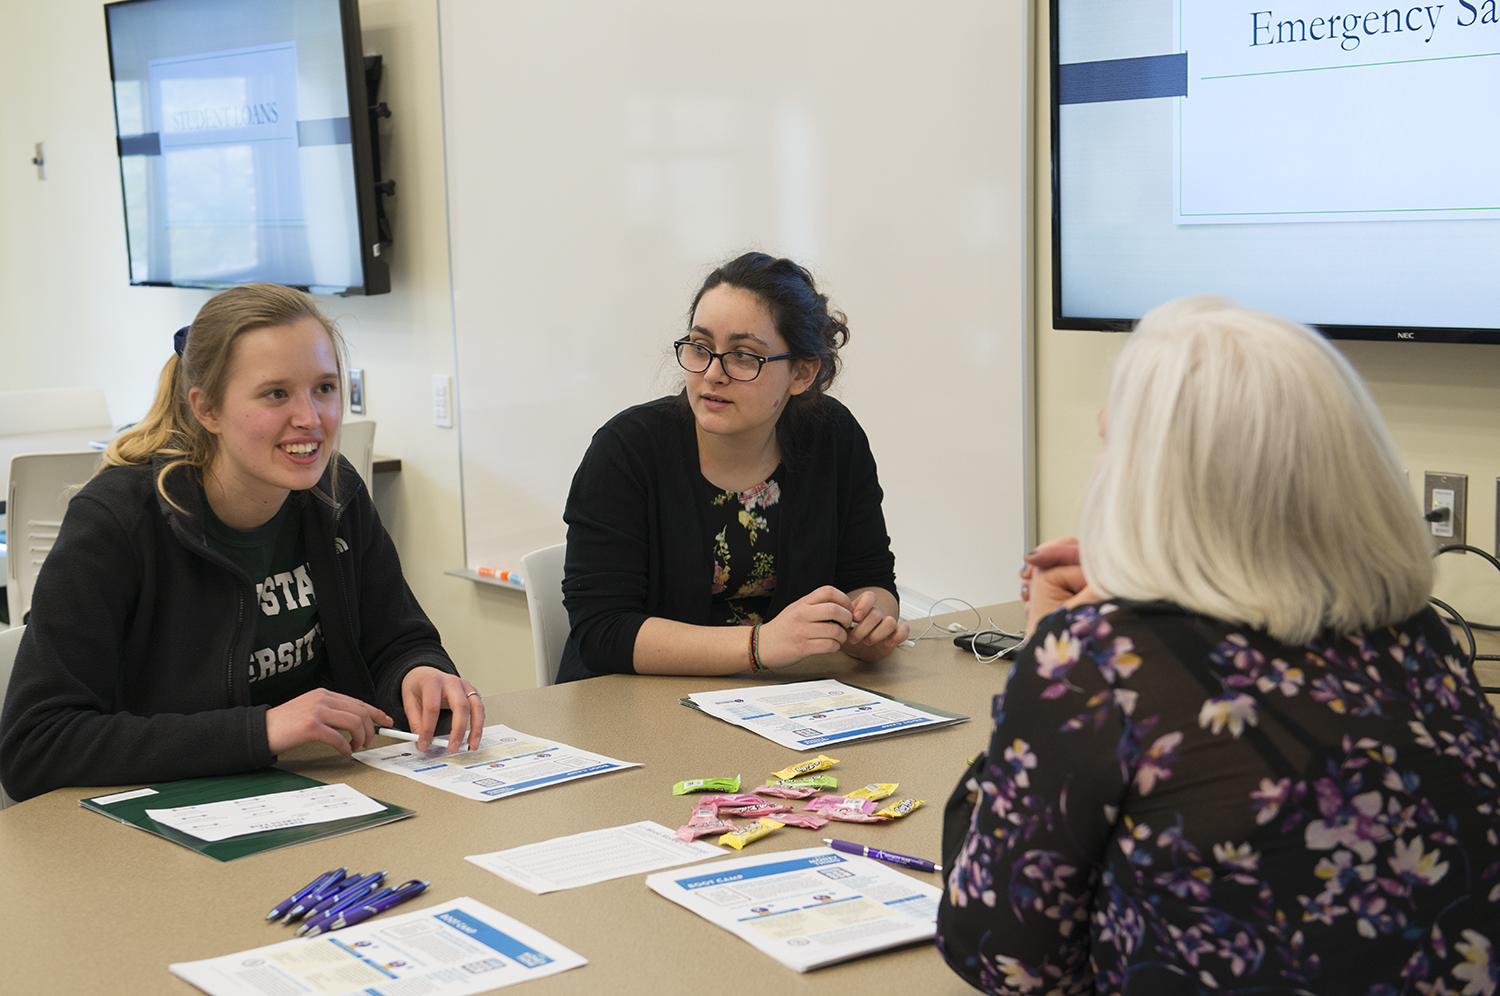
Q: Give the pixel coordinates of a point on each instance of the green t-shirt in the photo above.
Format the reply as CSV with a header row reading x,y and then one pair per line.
x,y
286,657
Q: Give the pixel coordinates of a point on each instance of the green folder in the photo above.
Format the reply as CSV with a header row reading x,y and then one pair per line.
x,y
130,808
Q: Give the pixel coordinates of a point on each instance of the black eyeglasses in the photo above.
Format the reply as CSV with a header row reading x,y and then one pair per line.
x,y
738,364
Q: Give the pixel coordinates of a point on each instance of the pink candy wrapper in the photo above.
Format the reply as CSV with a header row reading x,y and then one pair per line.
x,y
788,791
750,812
825,802
850,813
693,831
731,800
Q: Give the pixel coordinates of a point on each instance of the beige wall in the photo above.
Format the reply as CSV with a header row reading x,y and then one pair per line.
x,y
69,317
1441,402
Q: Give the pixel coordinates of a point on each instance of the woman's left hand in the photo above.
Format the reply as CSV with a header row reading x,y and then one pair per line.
x,y
426,691
874,634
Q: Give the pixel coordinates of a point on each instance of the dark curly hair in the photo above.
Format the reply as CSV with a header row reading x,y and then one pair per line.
x,y
800,313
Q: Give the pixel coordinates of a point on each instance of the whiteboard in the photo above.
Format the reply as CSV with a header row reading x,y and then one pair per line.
x,y
603,155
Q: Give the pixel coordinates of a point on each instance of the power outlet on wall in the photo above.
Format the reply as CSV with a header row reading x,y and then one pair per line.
x,y
1449,492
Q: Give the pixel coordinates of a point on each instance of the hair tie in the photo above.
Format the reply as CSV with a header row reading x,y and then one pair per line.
x,y
179,339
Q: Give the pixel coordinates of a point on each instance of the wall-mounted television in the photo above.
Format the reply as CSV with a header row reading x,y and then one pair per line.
x,y
1330,166
245,144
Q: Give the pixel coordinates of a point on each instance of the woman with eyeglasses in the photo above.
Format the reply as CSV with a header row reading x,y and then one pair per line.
x,y
735,526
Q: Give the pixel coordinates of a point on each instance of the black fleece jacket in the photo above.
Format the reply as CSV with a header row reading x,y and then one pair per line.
x,y
636,542
135,662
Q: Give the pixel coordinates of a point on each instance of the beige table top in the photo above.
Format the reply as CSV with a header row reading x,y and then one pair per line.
x,y
89,905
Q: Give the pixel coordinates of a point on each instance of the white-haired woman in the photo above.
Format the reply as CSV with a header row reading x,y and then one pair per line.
x,y
1246,748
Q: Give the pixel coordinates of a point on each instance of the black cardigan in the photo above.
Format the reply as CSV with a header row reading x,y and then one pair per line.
x,y
636,546
134,666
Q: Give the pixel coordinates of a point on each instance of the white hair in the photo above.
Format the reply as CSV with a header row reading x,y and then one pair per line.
x,y
1247,475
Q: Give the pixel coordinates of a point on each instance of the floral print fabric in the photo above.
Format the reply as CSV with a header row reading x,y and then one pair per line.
x,y
744,552
1171,804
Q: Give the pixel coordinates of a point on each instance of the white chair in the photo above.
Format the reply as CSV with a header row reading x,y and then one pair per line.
x,y
45,421
543,572
357,443
37,498
10,641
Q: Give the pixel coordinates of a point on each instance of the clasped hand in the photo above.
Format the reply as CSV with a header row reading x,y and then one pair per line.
x,y
1053,579
348,724
826,620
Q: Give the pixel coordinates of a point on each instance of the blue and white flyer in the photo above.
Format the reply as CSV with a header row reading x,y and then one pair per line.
x,y
507,763
807,908
808,715
455,948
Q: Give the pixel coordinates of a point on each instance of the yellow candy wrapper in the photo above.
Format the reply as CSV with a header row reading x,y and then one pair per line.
x,y
753,832
875,790
819,763
899,808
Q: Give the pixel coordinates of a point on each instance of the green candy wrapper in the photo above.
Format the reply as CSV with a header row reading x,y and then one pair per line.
x,y
707,785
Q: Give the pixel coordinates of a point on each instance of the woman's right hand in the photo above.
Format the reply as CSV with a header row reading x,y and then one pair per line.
x,y
323,715
817,623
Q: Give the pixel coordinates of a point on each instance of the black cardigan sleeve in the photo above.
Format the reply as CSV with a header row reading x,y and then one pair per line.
x,y
864,557
610,556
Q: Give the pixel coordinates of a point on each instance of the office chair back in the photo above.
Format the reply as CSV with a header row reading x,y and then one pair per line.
x,y
10,641
543,572
357,443
34,506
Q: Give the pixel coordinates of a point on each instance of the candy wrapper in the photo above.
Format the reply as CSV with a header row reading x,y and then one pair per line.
x,y
753,832
898,809
876,790
738,799
830,801
693,831
750,812
786,790
707,785
807,820
819,763
704,812
852,811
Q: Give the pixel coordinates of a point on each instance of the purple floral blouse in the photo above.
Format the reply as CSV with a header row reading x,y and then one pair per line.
x,y
1172,804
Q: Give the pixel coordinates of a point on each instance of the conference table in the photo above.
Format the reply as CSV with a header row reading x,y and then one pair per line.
x,y
90,905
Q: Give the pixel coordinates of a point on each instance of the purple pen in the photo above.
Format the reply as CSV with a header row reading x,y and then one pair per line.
x,y
373,906
303,893
891,857
354,888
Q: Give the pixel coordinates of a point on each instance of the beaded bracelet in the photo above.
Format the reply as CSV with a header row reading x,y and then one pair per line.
x,y
755,664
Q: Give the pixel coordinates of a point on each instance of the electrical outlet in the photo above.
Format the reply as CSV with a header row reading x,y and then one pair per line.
x,y
442,400
1449,491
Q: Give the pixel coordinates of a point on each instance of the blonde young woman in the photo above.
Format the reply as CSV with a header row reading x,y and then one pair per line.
x,y
1240,754
223,590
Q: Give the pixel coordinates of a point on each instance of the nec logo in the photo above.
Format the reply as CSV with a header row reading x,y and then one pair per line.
x,y
1406,335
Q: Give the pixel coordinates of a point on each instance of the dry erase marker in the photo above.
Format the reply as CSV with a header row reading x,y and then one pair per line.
x,y
890,857
499,575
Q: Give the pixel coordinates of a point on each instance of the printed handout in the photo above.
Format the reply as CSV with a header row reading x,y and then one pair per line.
x,y
807,715
593,856
507,762
455,948
808,908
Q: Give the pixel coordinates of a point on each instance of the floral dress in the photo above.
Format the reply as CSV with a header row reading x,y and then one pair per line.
x,y
1173,804
744,524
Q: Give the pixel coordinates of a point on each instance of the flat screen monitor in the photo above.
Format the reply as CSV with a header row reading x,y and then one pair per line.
x,y
1333,165
244,139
